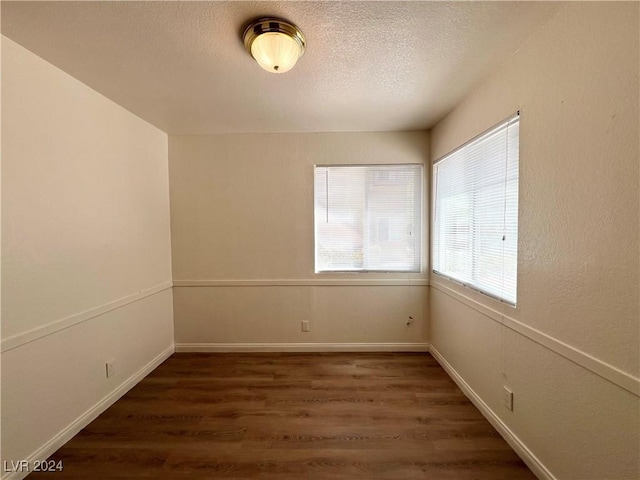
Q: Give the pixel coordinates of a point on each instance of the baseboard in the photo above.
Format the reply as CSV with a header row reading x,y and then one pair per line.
x,y
536,466
87,417
319,281
302,347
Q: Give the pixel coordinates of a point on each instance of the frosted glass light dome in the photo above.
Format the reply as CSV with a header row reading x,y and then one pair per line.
x,y
275,44
275,52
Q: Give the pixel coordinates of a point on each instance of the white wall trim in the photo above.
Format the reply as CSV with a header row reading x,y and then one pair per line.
x,y
594,365
57,325
302,347
536,466
310,282
91,414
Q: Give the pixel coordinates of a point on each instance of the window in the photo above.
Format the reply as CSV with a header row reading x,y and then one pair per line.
x,y
475,237
368,218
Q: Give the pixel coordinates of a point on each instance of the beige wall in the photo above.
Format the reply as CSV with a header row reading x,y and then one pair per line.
x,y
242,239
86,266
570,349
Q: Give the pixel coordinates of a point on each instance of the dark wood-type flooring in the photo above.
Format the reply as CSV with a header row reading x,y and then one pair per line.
x,y
292,416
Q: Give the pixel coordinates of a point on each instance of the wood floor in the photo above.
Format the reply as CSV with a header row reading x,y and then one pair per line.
x,y
292,416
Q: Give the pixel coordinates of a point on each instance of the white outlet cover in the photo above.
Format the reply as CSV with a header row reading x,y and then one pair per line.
x,y
508,398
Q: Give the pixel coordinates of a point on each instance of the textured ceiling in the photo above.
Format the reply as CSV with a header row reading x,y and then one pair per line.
x,y
369,66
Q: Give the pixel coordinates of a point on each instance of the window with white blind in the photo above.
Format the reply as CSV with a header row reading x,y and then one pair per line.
x,y
368,218
475,222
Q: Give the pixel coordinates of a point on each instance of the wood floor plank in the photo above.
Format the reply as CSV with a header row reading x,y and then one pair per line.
x,y
292,416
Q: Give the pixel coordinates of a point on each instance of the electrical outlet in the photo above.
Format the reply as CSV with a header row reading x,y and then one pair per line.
x,y
410,320
110,367
305,326
507,398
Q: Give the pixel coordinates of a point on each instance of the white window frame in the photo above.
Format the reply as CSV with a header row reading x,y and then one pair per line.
x,y
372,221
504,290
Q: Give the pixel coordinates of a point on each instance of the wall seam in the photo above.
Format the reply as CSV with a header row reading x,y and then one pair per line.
x,y
608,372
50,328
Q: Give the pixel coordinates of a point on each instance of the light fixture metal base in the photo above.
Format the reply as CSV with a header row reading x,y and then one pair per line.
x,y
272,24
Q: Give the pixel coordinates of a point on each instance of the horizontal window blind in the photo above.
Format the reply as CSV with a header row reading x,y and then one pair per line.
x,y
368,217
475,237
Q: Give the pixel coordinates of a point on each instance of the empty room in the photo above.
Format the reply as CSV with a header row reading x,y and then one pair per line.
x,y
320,240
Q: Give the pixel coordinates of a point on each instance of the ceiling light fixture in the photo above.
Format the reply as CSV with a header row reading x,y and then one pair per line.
x,y
274,43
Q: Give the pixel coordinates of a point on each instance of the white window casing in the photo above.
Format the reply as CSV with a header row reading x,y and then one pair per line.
x,y
475,213
368,218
